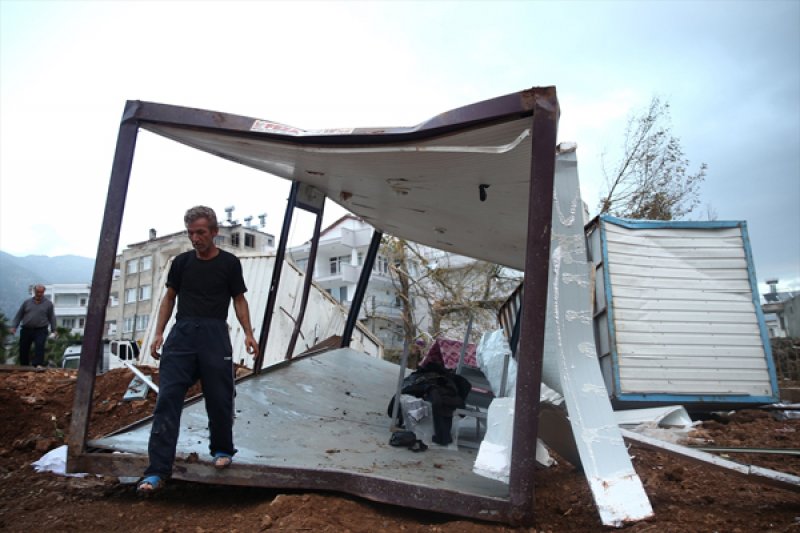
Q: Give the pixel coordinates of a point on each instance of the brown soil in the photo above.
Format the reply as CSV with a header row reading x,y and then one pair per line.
x,y
35,411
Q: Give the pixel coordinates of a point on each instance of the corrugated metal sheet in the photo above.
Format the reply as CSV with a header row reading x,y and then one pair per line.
x,y
683,314
324,316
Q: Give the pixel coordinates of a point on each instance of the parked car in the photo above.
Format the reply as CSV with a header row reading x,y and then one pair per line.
x,y
114,353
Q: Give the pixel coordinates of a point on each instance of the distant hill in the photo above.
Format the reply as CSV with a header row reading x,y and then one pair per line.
x,y
19,273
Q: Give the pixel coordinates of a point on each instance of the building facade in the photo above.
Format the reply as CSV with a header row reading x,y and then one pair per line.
x,y
342,248
781,311
70,304
140,267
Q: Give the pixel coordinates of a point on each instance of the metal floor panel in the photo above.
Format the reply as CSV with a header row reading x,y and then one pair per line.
x,y
325,412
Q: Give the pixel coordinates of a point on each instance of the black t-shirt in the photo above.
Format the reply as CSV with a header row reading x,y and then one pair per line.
x,y
205,287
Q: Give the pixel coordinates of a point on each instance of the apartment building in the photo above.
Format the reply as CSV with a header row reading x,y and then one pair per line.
x,y
340,256
140,267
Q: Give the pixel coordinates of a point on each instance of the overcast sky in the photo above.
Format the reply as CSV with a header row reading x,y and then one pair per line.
x,y
730,70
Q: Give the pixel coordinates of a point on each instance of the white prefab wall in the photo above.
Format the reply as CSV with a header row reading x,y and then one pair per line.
x,y
684,320
324,316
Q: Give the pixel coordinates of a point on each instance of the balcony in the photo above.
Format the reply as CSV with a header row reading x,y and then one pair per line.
x,y
356,238
350,273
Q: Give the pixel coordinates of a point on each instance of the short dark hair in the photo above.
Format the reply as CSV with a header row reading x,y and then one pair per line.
x,y
201,211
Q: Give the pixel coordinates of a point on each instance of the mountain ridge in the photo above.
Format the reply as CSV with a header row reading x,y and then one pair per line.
x,y
17,274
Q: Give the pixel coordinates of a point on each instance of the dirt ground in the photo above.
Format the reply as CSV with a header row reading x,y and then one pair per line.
x,y
35,411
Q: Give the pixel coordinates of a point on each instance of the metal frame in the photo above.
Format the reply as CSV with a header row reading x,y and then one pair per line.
x,y
541,105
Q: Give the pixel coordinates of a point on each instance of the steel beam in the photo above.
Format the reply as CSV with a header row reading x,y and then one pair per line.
x,y
361,288
101,281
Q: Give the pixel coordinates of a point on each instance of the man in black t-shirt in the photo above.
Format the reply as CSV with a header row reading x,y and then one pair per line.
x,y
203,281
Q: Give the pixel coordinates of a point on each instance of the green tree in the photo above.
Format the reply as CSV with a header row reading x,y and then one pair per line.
x,y
652,178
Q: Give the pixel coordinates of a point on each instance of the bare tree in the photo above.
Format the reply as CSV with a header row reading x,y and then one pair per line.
x,y
453,287
651,180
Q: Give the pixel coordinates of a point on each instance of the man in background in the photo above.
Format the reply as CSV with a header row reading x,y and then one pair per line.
x,y
35,315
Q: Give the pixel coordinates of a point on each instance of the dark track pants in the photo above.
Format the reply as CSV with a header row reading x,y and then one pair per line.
x,y
196,348
37,336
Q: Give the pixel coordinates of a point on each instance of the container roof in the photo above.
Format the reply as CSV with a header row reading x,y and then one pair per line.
x,y
459,181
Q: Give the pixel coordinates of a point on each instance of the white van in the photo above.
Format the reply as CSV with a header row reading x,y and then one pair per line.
x,y
114,352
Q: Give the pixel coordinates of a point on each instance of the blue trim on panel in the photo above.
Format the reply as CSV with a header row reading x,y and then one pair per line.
x,y
612,334
762,325
677,224
695,398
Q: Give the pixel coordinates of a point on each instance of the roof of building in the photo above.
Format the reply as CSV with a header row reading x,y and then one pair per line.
x,y
778,297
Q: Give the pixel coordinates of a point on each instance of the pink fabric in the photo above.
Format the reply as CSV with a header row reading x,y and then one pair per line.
x,y
446,353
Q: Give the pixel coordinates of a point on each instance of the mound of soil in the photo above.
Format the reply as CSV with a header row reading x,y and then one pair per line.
x,y
35,410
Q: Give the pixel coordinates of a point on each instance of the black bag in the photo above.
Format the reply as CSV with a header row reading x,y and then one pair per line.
x,y
403,439
407,439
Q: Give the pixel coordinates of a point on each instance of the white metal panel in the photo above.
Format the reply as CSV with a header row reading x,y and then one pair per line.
x,y
426,191
696,361
324,316
683,314
571,366
676,351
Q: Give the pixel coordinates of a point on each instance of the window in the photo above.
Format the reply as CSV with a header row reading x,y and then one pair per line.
x,y
141,322
219,240
127,326
84,300
132,266
144,292
81,322
113,299
147,263
130,295
249,240
302,264
360,258
68,323
235,239
381,265
270,241
337,262
342,294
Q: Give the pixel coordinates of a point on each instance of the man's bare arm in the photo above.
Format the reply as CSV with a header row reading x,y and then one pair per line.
x,y
243,315
164,314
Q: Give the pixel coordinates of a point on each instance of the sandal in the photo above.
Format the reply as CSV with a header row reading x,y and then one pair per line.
x,y
222,460
150,485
